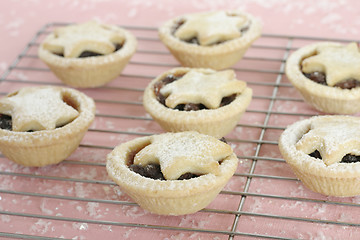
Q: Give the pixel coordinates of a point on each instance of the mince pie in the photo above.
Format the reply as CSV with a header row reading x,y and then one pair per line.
x,y
214,40
172,173
43,125
90,54
203,100
324,153
327,75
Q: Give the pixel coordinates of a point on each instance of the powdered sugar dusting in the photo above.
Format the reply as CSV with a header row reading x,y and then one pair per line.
x,y
180,153
338,62
211,27
37,109
192,88
332,137
99,38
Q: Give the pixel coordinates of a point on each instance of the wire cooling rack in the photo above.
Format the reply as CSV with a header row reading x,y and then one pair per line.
x,y
263,200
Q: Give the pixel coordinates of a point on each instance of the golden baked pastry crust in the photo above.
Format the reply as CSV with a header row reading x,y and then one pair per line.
x,y
90,71
50,146
220,56
215,122
172,197
324,98
326,176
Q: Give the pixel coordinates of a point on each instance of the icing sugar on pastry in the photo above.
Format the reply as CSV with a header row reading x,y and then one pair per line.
x,y
339,63
37,109
72,40
184,152
333,139
207,88
211,27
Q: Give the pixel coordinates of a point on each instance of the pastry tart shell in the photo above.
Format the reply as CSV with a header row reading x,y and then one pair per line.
x,y
47,147
215,122
218,57
90,72
323,98
338,179
167,197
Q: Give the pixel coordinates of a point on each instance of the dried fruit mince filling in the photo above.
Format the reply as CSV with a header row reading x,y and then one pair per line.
x,y
209,29
320,78
191,91
5,122
334,66
153,171
348,158
153,166
86,53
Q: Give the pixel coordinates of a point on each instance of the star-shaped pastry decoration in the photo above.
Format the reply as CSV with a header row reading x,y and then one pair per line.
x,y
37,109
205,87
338,63
184,152
333,139
91,36
212,27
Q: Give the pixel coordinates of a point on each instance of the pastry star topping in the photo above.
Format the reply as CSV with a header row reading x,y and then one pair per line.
x,y
92,36
211,27
181,153
37,109
206,88
333,139
338,63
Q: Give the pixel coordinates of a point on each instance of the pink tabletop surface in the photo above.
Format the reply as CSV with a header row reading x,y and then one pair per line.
x,y
76,199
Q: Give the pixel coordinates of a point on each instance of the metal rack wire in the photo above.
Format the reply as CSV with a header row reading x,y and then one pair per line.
x,y
85,203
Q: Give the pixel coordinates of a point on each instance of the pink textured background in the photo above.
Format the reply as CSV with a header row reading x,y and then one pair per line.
x,y
19,20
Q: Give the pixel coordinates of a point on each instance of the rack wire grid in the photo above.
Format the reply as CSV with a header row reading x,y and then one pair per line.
x,y
263,200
